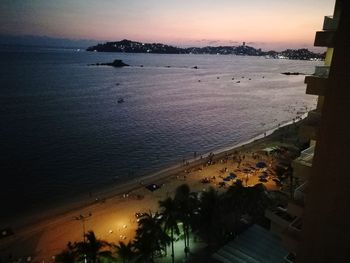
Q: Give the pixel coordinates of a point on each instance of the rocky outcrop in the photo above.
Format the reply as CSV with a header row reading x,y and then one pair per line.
x,y
116,63
292,73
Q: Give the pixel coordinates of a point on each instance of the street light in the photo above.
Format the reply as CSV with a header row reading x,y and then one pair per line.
x,y
82,218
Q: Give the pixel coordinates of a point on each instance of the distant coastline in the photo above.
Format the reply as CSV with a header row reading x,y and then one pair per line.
x,y
128,46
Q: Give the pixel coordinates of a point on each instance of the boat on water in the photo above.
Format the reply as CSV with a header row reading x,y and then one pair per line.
x,y
120,100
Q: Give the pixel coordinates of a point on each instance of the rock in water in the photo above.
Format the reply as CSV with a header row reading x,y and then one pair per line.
x,y
293,73
117,63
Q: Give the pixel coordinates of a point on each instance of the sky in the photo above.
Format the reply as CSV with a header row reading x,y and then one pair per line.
x,y
266,24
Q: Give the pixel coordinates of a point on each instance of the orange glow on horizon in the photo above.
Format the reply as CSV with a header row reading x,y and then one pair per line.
x,y
265,23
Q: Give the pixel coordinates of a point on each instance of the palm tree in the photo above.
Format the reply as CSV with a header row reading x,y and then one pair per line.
x,y
247,200
185,204
169,218
150,237
210,225
256,201
92,248
235,197
67,256
125,251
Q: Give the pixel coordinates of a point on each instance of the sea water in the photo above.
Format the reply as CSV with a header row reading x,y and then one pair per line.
x,y
64,133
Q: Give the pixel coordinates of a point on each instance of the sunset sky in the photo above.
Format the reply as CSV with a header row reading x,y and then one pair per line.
x,y
261,23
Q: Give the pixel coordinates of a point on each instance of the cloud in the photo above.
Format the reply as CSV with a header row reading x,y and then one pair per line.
x,y
257,43
212,42
217,42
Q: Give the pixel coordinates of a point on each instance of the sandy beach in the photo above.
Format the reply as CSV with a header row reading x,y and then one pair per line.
x,y
43,235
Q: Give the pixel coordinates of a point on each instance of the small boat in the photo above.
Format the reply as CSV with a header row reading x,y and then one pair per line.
x,y
120,100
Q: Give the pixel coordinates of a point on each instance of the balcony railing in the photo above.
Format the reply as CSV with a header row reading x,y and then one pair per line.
x,y
324,39
302,165
322,71
296,225
308,153
309,131
299,193
294,208
316,85
290,239
279,217
330,23
290,258
311,124
314,116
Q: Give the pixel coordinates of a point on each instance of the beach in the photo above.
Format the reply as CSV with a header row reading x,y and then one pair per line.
x,y
111,213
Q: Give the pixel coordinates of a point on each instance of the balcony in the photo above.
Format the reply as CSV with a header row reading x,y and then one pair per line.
x,y
310,127
291,235
280,217
324,39
330,23
303,164
294,208
296,225
299,194
316,85
322,71
290,258
309,131
308,153
314,116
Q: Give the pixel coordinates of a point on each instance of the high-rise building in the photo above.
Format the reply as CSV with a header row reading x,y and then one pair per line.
x,y
325,234
316,225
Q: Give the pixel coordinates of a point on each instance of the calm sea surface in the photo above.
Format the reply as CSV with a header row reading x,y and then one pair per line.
x,y
63,131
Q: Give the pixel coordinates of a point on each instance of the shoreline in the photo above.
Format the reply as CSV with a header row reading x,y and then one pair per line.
x,y
61,208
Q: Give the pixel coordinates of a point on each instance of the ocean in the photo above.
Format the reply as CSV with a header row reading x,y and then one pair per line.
x,y
63,132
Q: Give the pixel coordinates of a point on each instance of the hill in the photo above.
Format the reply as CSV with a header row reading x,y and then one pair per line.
x,y
129,46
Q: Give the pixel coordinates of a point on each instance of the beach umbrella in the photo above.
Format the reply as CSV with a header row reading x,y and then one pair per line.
x,y
263,176
260,165
152,187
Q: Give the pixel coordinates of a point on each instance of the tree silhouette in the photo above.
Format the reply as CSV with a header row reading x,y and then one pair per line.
x,y
68,255
210,225
169,219
92,249
150,237
186,202
125,251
